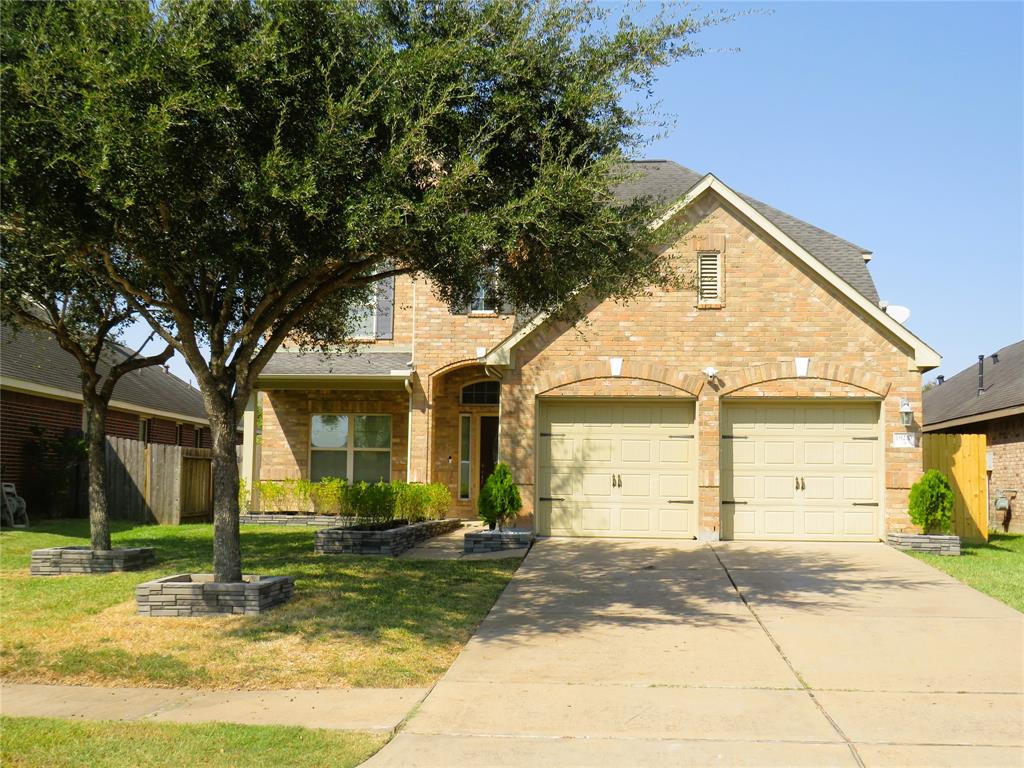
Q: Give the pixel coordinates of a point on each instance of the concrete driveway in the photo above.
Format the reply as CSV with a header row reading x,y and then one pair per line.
x,y
615,652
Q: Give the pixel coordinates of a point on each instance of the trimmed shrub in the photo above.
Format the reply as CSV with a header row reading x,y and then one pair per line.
x,y
416,502
330,496
499,500
931,502
372,503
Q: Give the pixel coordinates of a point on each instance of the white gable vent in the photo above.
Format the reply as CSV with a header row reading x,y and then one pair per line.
x,y
709,278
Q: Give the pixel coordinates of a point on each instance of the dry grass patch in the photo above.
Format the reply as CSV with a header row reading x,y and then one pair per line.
x,y
354,621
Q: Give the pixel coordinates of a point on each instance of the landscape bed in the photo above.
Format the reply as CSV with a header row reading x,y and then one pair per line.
x,y
357,540
197,594
932,543
63,561
479,542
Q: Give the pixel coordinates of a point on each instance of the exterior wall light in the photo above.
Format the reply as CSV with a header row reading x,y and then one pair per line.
x,y
906,412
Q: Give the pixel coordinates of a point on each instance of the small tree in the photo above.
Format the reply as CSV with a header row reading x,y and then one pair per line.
x,y
931,502
499,500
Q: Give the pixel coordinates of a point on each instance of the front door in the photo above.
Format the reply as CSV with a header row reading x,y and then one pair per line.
x,y
488,447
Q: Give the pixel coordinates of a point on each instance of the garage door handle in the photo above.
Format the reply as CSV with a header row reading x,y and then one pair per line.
x,y
552,498
680,501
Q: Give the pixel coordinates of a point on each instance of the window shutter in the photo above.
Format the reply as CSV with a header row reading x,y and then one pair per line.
x,y
709,278
385,308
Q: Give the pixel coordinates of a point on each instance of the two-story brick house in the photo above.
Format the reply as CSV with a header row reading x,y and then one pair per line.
x,y
768,402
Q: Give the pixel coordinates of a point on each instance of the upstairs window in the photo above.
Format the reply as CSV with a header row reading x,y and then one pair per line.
x,y
484,300
374,318
709,278
481,393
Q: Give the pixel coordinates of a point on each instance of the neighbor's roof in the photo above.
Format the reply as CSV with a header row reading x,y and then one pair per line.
x,y
362,364
34,358
666,182
958,398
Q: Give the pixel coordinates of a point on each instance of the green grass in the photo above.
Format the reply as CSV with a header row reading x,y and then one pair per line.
x,y
354,621
31,742
995,568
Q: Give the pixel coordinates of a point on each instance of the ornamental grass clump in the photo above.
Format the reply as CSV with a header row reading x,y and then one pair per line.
x,y
931,502
499,500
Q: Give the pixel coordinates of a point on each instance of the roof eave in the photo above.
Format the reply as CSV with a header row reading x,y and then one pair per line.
x,y
974,418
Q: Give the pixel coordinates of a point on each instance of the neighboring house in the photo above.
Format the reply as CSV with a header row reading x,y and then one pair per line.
x,y
615,428
988,399
40,395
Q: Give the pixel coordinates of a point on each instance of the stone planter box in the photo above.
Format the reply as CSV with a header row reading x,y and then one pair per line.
x,y
197,594
494,541
933,543
393,542
57,561
313,521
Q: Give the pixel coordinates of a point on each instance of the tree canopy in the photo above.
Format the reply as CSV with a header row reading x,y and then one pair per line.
x,y
261,164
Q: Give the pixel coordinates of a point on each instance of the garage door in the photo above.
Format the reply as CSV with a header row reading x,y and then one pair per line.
x,y
617,468
800,471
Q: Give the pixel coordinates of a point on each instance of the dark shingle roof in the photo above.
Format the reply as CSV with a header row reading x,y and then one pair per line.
x,y
35,357
958,396
292,362
666,182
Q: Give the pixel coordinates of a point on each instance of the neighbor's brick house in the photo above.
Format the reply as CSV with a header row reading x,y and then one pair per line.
x,y
40,394
988,399
614,428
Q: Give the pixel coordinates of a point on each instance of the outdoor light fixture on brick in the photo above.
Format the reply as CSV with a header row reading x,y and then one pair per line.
x,y
906,412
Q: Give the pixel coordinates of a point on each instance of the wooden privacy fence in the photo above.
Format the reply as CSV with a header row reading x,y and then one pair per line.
x,y
154,483
961,458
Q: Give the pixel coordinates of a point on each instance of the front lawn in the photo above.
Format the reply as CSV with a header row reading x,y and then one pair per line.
x,y
995,568
31,742
354,621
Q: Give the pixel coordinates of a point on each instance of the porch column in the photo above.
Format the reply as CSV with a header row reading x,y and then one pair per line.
x,y
250,460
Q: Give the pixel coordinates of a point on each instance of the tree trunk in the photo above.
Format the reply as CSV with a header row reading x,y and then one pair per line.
x,y
227,552
96,441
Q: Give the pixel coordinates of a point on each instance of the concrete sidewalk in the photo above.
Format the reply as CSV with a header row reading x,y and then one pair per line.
x,y
349,709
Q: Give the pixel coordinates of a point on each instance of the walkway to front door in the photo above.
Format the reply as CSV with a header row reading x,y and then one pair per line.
x,y
658,653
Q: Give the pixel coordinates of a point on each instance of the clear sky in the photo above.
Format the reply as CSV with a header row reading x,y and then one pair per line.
x,y
897,126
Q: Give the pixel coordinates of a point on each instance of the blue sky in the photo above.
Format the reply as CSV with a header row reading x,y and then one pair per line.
x,y
897,126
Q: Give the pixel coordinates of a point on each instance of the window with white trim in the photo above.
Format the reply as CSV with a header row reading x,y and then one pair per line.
x,y
465,454
354,447
709,277
144,430
484,299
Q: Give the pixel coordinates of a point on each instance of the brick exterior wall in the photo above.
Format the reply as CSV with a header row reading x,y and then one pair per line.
x,y
284,449
1005,439
773,312
123,424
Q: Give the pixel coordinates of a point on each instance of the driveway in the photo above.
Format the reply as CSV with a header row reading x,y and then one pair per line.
x,y
616,652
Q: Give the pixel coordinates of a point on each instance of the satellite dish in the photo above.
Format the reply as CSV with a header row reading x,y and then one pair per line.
x,y
898,313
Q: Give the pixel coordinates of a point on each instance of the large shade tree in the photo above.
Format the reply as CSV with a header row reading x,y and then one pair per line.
x,y
53,229
265,163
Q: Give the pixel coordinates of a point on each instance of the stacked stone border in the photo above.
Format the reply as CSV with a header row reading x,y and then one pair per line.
x,y
197,594
314,521
393,542
936,545
479,542
58,561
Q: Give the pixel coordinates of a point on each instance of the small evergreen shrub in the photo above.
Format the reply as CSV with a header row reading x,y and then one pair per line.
x,y
931,502
499,500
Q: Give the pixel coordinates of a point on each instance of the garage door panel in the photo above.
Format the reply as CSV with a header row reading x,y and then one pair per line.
x,y
558,449
596,451
635,485
821,480
677,451
597,519
558,484
635,519
597,484
677,521
638,451
637,416
675,486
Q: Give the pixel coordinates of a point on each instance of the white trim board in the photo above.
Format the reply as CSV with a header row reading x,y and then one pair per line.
x,y
924,357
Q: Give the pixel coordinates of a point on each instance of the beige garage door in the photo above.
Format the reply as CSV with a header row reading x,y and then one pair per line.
x,y
800,471
617,468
